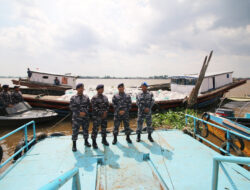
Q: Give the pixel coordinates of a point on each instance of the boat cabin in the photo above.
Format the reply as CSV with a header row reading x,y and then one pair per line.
x,y
185,84
47,78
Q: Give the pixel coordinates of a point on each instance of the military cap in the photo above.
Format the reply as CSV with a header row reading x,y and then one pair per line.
x,y
79,85
144,84
120,85
99,86
5,86
16,86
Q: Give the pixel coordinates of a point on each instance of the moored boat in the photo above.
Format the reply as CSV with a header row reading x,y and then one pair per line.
x,y
62,105
41,80
50,164
22,113
239,146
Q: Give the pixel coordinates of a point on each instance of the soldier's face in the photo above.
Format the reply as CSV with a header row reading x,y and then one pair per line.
x,y
100,91
121,89
144,88
80,90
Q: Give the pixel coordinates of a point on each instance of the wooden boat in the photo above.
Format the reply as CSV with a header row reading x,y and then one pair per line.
x,y
237,110
62,106
239,146
163,86
22,113
42,80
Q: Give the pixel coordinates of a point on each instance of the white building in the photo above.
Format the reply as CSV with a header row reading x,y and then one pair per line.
x,y
48,78
185,84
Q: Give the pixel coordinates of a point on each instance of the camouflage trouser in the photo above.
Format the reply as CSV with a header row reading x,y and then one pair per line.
x,y
117,121
140,120
97,121
76,126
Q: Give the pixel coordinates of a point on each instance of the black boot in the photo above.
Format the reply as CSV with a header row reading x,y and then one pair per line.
x,y
104,141
74,146
94,144
115,139
150,137
138,137
86,143
128,139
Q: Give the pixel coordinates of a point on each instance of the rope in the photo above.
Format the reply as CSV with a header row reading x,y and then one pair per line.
x,y
60,121
166,165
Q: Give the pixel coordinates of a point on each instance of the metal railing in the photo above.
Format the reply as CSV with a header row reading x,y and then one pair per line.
x,y
228,133
73,173
146,157
25,140
60,181
217,162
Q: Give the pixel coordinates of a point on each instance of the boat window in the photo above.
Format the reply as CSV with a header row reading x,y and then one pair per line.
x,y
227,75
17,108
184,81
45,77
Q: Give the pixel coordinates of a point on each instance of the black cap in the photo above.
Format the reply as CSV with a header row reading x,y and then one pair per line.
x,y
16,86
120,85
5,86
79,85
99,86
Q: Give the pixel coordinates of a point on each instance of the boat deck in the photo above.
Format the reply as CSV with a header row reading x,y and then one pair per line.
x,y
180,161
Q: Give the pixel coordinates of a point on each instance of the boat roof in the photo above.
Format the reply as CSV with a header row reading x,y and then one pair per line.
x,y
178,159
43,73
196,75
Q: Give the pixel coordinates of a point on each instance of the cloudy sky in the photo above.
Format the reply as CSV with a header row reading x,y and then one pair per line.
x,y
124,37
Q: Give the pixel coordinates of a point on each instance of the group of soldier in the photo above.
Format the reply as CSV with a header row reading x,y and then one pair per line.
x,y
7,98
80,104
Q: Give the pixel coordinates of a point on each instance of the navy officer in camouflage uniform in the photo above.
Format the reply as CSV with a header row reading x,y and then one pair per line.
x,y
122,104
79,105
16,95
5,97
145,102
100,107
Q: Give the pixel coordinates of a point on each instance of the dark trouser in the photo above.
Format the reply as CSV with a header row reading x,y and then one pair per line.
x,y
84,122
140,120
97,121
117,121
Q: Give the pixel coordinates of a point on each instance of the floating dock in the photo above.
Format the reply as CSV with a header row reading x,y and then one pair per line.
x,y
174,161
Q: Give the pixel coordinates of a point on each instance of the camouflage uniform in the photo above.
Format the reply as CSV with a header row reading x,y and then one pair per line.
x,y
16,97
5,98
121,101
80,103
100,104
144,100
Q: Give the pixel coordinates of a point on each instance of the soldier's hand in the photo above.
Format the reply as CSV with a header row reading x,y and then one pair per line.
x,y
104,115
10,105
121,112
82,114
146,110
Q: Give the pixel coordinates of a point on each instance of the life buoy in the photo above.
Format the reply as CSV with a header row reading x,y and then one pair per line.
x,y
41,136
18,147
57,134
1,154
235,148
202,129
234,139
205,116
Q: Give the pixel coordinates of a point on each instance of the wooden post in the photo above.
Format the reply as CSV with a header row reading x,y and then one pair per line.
x,y
192,99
